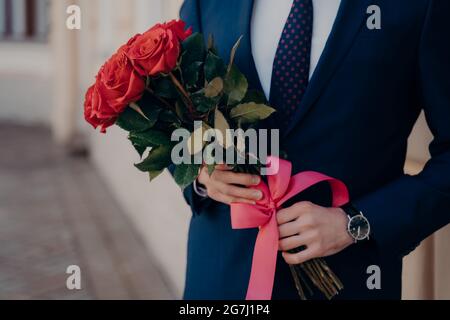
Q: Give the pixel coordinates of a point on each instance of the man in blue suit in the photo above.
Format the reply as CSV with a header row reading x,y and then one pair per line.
x,y
349,79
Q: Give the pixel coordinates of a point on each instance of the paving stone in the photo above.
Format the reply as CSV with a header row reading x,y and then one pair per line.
x,y
55,211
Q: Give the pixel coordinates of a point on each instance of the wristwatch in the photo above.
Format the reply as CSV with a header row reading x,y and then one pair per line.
x,y
358,226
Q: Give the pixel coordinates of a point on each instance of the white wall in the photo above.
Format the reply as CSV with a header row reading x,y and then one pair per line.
x,y
25,82
157,209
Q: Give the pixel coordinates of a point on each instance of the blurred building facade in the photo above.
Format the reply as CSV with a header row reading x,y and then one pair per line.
x,y
25,60
56,66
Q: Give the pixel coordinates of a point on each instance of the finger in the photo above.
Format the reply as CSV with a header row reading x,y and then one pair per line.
x,y
238,178
243,193
203,177
305,222
286,215
242,200
294,242
223,198
289,229
293,212
220,197
238,192
300,257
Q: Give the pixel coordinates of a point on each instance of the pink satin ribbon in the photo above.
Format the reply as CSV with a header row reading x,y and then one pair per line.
x,y
281,187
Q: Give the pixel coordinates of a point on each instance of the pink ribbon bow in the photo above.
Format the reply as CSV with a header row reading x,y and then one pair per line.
x,y
281,187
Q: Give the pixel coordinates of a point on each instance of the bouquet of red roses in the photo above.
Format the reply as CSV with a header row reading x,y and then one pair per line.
x,y
168,79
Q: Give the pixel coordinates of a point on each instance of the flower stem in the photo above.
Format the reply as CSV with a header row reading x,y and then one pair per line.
x,y
297,282
303,279
183,92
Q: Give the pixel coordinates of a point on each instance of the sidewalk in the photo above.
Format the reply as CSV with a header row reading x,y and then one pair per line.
x,y
56,212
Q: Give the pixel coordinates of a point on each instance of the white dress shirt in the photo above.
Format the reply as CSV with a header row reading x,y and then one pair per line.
x,y
269,18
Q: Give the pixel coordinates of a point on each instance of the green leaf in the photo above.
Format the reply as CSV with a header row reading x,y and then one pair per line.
x,y
233,54
195,142
211,42
191,73
180,110
164,88
212,45
202,103
154,174
221,124
169,117
130,120
235,86
209,155
194,49
185,174
255,96
140,150
250,112
214,67
159,158
214,88
149,138
152,113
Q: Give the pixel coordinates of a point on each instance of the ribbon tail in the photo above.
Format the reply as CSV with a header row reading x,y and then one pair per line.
x,y
264,262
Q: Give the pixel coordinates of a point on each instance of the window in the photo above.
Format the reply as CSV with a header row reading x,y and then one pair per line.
x,y
24,20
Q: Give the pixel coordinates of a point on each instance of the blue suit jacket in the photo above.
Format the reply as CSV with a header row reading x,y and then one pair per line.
x,y
353,124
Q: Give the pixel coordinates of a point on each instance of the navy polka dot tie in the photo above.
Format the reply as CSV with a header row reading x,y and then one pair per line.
x,y
290,73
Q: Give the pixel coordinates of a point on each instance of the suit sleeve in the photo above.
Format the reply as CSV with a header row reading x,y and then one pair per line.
x,y
190,13
195,201
406,211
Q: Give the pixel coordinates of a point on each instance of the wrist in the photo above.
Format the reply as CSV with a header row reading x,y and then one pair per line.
x,y
200,189
346,238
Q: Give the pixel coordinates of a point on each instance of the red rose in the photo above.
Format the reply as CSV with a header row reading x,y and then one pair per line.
x,y
157,50
117,85
96,111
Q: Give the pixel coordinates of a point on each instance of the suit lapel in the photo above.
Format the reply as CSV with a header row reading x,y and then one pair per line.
x,y
348,23
241,12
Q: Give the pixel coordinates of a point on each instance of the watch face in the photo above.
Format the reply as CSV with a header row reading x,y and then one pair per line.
x,y
359,227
